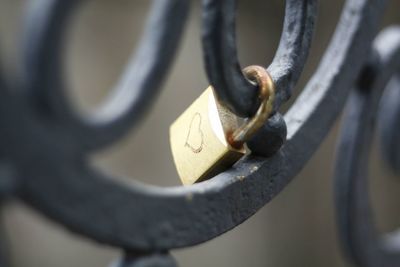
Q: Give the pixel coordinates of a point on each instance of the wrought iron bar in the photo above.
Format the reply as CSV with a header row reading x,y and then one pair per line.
x,y
359,234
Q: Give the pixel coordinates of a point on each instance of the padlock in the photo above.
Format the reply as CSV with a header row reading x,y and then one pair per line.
x,y
207,138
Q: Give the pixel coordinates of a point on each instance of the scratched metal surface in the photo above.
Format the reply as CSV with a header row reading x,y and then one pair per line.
x,y
144,219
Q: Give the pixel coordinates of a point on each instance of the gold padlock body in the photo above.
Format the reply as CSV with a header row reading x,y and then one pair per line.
x,y
198,139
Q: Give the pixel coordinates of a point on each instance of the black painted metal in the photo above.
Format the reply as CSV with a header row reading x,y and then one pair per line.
x,y
269,138
146,260
135,91
44,142
388,124
222,64
360,237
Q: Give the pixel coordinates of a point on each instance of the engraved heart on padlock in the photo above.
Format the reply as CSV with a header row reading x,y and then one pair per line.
x,y
198,141
195,136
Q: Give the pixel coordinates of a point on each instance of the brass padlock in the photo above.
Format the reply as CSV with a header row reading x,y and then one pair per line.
x,y
207,139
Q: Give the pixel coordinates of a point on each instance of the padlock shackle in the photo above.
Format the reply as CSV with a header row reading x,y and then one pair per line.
x,y
261,77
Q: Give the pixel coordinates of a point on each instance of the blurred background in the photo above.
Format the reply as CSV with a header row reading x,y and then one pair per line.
x,y
297,228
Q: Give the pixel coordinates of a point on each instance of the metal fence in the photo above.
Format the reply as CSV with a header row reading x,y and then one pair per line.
x,y
45,142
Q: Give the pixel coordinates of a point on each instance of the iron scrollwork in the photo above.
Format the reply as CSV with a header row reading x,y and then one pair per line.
x,y
359,234
37,122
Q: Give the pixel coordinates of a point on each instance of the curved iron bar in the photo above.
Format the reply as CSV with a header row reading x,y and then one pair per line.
x,y
359,235
221,59
133,94
137,216
146,260
388,125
